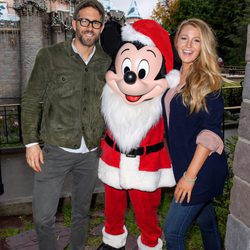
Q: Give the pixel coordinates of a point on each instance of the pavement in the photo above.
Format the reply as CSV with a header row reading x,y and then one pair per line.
x,y
27,240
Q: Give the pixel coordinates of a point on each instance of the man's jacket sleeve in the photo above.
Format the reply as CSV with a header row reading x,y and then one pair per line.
x,y
31,107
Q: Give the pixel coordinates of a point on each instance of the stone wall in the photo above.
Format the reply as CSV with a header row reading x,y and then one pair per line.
x,y
31,41
238,223
19,43
9,61
17,178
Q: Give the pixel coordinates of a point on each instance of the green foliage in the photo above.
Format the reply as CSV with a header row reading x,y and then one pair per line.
x,y
194,240
232,94
26,222
228,18
191,9
8,232
230,149
230,24
94,240
222,203
66,215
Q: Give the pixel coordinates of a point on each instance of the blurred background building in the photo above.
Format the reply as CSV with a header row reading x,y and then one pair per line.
x,y
29,25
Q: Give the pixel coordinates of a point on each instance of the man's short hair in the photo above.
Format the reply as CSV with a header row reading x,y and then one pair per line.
x,y
89,3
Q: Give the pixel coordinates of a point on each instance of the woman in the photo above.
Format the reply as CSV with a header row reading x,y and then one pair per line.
x,y
194,112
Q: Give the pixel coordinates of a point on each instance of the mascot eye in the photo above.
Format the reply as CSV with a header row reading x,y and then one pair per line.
x,y
143,69
126,65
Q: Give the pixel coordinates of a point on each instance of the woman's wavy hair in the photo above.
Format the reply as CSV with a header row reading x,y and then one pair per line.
x,y
204,75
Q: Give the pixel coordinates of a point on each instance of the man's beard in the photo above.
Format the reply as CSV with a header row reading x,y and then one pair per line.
x,y
89,42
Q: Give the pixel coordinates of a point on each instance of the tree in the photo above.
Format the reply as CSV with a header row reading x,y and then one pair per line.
x,y
228,18
230,24
164,14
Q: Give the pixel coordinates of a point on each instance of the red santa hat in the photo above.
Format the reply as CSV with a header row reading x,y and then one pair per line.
x,y
151,33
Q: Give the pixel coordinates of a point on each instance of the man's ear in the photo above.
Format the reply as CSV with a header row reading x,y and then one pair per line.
x,y
74,24
102,28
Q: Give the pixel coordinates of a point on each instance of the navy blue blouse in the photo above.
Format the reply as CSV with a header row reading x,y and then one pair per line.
x,y
181,136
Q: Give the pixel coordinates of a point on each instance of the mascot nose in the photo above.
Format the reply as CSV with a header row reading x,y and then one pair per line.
x,y
130,77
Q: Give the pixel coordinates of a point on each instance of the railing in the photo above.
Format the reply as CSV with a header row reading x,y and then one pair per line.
x,y
233,70
232,100
10,124
10,116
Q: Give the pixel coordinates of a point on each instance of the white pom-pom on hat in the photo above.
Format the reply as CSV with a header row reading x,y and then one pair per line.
x,y
173,78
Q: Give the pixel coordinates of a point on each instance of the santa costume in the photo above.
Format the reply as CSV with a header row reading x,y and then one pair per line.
x,y
135,159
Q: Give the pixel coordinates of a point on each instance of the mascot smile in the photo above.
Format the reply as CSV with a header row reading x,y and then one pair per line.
x,y
135,160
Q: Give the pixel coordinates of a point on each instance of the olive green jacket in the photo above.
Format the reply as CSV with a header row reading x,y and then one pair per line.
x,y
70,92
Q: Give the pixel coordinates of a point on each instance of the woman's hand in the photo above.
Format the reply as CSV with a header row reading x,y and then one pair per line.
x,y
186,183
182,189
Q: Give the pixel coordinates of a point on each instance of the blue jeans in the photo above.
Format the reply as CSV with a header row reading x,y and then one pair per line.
x,y
179,218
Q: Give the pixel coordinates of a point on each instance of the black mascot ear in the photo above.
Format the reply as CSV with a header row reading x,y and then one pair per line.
x,y
112,65
111,38
162,73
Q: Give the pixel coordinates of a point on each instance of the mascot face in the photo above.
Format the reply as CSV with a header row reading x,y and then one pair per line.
x,y
136,77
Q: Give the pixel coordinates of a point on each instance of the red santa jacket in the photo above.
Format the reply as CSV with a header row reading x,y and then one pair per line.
x,y
147,171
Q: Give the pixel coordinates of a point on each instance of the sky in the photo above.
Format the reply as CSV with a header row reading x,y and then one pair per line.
x,y
145,7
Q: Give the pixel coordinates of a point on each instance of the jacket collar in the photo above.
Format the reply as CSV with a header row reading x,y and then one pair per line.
x,y
99,53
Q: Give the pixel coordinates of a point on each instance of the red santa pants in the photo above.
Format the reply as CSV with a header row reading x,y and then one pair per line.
x,y
145,205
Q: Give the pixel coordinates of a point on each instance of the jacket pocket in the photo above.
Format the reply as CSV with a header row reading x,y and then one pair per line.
x,y
63,84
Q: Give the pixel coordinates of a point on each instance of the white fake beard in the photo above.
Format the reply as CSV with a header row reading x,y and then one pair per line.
x,y
129,124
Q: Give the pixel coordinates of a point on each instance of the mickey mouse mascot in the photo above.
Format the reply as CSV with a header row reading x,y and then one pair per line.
x,y
134,158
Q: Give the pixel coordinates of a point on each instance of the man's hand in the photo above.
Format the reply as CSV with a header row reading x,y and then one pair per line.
x,y
34,157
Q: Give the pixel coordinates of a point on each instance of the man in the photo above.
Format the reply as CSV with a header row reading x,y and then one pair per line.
x,y
67,79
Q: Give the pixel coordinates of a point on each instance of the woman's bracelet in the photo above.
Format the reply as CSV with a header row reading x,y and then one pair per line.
x,y
189,179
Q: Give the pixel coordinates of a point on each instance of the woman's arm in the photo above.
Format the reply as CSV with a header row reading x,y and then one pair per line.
x,y
186,183
208,141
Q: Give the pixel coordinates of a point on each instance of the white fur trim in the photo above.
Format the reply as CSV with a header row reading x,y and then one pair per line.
x,y
109,175
141,246
133,178
130,177
116,241
131,35
129,169
173,78
129,124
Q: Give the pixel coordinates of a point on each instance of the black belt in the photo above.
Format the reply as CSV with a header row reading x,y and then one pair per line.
x,y
137,151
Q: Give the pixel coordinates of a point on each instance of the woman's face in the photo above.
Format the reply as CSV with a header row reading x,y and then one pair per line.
x,y
188,44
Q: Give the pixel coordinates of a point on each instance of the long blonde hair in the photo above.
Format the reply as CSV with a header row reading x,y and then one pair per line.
x,y
204,74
